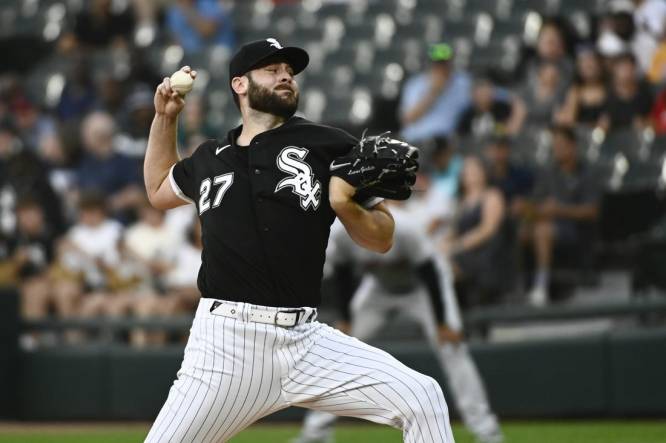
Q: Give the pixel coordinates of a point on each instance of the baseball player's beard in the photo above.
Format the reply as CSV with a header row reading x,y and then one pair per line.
x,y
264,100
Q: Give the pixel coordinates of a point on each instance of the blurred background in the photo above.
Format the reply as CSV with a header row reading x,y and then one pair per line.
x,y
561,102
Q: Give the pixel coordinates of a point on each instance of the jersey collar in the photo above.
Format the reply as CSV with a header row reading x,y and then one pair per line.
x,y
233,135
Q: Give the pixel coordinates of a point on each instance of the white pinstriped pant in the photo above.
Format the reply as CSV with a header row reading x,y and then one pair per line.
x,y
235,372
370,312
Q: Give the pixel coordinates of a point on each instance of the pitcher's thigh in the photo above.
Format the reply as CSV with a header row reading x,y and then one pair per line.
x,y
345,376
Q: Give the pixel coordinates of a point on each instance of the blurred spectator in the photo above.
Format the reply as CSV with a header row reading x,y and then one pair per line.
x,y
587,96
79,96
658,115
566,207
22,174
490,113
193,121
33,251
615,30
657,72
515,182
551,47
31,123
148,247
432,102
103,170
196,24
111,91
446,166
181,279
649,20
101,24
543,97
180,293
61,173
142,71
16,105
475,245
630,99
88,260
139,114
151,243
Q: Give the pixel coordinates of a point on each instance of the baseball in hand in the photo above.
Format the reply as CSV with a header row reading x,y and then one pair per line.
x,y
181,82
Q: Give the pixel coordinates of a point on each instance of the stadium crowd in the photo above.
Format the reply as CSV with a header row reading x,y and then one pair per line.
x,y
79,239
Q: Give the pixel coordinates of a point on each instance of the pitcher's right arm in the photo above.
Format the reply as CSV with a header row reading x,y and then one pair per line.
x,y
162,152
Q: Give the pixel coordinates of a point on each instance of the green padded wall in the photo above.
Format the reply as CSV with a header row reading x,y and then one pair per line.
x,y
637,365
9,354
605,375
64,383
546,378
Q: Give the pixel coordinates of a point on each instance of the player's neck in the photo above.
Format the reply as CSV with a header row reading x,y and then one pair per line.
x,y
255,122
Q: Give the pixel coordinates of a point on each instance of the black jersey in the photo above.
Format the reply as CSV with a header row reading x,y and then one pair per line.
x,y
264,212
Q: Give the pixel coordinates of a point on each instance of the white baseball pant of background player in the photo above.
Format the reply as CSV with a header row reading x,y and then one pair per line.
x,y
236,371
371,309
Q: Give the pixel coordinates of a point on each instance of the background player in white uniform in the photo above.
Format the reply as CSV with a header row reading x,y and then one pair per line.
x,y
411,278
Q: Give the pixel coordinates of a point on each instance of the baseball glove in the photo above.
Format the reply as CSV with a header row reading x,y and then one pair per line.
x,y
379,166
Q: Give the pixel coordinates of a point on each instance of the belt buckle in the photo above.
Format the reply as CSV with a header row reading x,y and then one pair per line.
x,y
298,313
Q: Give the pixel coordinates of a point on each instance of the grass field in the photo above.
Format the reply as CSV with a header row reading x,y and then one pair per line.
x,y
516,432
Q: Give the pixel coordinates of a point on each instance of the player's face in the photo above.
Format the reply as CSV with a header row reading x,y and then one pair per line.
x,y
272,89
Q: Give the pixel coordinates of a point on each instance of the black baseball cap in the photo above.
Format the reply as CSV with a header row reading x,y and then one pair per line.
x,y
251,55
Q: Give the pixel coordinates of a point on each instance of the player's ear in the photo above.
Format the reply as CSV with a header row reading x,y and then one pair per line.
x,y
239,85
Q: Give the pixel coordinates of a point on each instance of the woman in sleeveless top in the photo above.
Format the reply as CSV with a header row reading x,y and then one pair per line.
x,y
586,97
476,243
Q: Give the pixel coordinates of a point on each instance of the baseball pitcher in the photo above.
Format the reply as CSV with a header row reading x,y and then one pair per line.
x,y
266,195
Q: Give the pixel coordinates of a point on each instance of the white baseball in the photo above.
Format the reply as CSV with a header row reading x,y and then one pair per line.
x,y
181,82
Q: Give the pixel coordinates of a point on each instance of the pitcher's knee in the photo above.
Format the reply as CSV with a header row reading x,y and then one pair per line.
x,y
431,404
439,403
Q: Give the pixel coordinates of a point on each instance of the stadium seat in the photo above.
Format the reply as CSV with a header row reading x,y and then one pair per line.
x,y
462,28
337,110
546,7
568,6
332,10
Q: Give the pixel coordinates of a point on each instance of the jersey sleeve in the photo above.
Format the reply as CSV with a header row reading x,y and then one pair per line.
x,y
182,176
344,142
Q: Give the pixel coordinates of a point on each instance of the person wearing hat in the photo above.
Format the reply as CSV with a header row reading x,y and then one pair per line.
x,y
433,101
266,196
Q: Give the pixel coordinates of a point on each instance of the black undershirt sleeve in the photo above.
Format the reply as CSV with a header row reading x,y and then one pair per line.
x,y
345,284
432,280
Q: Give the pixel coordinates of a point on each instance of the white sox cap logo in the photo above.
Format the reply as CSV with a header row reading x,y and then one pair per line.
x,y
302,180
274,43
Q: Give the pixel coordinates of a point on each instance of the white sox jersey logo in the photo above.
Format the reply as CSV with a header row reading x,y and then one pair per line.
x,y
301,181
